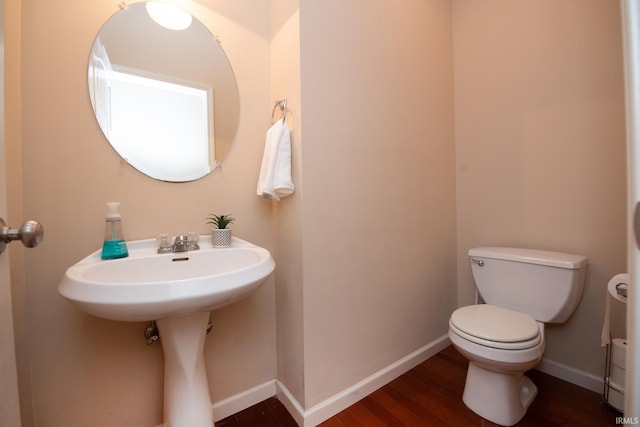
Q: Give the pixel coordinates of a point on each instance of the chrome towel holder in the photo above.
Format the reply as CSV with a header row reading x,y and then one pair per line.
x,y
282,103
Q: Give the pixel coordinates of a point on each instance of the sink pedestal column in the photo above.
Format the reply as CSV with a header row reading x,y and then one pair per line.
x,y
187,401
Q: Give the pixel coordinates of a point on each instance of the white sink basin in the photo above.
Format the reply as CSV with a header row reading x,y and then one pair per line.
x,y
151,286
178,290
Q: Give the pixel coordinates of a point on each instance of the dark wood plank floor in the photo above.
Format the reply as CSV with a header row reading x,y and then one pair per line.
x,y
431,395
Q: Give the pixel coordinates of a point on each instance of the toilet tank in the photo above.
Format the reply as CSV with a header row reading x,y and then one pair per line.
x,y
545,285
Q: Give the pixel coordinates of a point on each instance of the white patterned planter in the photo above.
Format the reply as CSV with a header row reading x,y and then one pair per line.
x,y
221,238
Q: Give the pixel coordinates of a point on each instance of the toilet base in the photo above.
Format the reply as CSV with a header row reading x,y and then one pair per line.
x,y
502,398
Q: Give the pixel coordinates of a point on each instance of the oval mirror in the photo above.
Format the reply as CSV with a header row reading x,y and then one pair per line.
x,y
165,99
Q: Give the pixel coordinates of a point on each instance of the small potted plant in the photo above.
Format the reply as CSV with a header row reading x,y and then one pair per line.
x,y
221,235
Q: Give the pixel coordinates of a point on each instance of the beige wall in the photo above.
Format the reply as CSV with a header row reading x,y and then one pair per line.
x,y
540,149
378,209
287,225
89,371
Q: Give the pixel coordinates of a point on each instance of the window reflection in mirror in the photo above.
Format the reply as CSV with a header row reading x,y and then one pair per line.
x,y
154,92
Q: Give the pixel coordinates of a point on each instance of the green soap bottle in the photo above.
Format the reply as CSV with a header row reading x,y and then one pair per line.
x,y
114,245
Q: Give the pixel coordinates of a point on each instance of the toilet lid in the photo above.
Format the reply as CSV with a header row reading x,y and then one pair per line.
x,y
496,324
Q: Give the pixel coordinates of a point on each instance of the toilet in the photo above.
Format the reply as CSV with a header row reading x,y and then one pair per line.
x,y
522,289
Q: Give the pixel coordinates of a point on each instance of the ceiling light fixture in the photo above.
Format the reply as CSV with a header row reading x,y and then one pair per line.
x,y
168,15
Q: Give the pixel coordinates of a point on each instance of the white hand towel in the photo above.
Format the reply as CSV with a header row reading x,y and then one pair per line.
x,y
275,174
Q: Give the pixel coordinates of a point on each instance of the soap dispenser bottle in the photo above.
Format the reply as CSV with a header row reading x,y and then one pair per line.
x,y
114,245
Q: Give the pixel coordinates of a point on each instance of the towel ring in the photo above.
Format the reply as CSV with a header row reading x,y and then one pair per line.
x,y
282,103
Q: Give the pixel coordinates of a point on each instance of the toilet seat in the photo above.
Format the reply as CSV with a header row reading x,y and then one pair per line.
x,y
496,327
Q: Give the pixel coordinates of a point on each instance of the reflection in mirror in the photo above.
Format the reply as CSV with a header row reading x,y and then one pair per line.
x,y
166,99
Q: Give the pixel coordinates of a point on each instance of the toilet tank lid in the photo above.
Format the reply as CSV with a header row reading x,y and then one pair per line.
x,y
531,256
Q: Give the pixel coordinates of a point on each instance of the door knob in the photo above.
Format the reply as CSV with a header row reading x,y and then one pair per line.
x,y
31,234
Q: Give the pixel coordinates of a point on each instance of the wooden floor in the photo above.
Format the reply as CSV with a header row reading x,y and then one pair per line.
x,y
431,395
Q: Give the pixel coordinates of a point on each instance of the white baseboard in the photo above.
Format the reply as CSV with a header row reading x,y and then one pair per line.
x,y
572,375
340,401
290,403
236,403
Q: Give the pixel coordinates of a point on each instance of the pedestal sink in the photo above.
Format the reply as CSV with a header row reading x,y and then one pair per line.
x,y
177,290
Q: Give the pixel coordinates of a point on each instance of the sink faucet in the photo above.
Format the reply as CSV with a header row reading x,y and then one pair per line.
x,y
180,244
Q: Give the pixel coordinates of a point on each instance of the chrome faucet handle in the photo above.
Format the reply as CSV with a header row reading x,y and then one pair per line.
x,y
164,244
192,241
